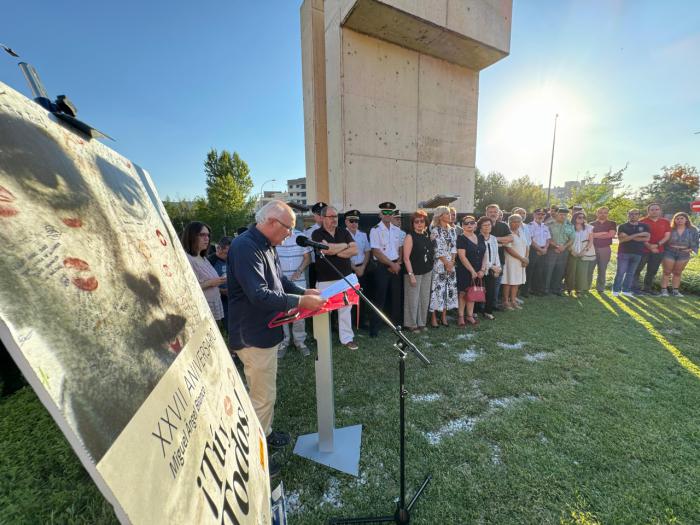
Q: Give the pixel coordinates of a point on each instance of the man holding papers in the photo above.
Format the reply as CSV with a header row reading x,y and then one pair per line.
x,y
341,247
258,291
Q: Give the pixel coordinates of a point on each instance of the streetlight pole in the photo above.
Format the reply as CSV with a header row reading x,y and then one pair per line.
x,y
551,162
262,193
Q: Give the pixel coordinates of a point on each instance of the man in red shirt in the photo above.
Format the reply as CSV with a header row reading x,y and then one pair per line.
x,y
660,232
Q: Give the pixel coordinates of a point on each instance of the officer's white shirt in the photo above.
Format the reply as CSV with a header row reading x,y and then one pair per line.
x,y
362,247
387,240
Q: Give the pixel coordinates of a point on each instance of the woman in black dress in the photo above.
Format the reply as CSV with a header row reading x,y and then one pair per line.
x,y
470,265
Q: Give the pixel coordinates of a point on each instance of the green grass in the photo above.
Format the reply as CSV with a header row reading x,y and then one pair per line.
x,y
603,429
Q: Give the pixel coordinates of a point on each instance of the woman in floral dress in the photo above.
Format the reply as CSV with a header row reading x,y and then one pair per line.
x,y
443,292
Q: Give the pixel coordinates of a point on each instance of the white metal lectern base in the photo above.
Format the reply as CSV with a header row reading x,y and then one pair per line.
x,y
345,455
338,448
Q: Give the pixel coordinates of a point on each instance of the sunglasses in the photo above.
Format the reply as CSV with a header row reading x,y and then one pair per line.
x,y
353,221
387,212
469,223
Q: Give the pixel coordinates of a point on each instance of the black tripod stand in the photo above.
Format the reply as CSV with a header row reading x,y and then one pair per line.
x,y
402,515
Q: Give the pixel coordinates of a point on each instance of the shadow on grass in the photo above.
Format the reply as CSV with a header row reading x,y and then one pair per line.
x,y
638,316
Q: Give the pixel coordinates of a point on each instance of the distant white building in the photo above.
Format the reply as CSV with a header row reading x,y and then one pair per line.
x,y
269,196
296,188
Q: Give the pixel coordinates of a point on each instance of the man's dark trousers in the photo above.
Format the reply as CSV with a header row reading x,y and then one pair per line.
x,y
535,272
652,261
385,283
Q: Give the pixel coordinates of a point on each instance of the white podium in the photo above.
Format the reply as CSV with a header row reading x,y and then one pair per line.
x,y
338,448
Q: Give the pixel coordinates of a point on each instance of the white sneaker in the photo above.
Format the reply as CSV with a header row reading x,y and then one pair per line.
x,y
628,294
519,300
615,294
281,350
664,293
676,293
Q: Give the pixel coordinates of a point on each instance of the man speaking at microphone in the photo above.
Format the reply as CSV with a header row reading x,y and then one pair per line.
x,y
258,290
341,247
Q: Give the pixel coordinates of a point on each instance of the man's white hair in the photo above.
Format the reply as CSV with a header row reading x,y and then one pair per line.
x,y
272,210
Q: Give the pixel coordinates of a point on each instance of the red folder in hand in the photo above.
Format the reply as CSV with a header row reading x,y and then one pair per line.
x,y
340,300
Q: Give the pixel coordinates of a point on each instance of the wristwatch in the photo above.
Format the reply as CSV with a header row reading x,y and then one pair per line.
x,y
410,274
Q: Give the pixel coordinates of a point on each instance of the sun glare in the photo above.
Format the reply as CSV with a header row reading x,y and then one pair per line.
x,y
525,123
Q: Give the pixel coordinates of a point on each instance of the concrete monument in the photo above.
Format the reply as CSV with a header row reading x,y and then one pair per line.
x,y
390,97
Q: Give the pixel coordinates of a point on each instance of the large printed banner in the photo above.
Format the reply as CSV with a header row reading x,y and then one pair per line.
x,y
101,310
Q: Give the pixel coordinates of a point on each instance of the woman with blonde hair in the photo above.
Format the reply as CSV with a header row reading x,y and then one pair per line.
x,y
683,242
516,261
418,261
443,290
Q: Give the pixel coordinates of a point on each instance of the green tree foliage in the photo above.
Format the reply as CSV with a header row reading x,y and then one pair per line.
x,y
494,188
229,204
180,212
674,188
608,190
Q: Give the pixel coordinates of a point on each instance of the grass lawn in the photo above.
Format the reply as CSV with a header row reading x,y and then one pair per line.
x,y
573,411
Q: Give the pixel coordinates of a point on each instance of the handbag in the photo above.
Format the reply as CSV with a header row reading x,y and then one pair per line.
x,y
476,293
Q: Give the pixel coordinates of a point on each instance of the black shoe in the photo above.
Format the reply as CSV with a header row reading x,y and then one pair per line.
x,y
273,468
277,440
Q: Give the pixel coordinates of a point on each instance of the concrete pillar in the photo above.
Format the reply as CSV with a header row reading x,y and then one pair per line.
x,y
401,84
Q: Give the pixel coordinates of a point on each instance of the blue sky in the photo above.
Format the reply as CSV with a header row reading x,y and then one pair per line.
x,y
169,80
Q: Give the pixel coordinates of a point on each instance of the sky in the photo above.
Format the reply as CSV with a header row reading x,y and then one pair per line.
x,y
171,80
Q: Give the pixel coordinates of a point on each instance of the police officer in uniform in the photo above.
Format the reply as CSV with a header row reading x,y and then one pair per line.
x,y
385,241
318,220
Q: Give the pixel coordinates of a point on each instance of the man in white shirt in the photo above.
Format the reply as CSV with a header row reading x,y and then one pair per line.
x,y
385,241
540,235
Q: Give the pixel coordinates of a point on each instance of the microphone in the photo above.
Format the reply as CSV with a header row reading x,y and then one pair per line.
x,y
305,241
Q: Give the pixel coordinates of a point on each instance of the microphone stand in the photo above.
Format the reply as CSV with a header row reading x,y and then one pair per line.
x,y
402,515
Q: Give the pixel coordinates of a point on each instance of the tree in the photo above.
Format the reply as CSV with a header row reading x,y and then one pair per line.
x,y
673,189
229,204
609,191
494,188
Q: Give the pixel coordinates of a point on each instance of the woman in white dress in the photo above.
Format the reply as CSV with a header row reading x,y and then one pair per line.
x,y
517,253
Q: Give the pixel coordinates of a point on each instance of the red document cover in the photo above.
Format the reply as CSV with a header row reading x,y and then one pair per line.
x,y
339,300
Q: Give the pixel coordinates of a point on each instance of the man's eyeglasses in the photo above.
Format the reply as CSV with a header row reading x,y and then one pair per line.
x,y
387,212
288,228
353,221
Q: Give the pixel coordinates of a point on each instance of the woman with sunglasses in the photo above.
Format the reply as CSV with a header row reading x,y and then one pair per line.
x,y
418,261
443,290
195,241
682,243
470,266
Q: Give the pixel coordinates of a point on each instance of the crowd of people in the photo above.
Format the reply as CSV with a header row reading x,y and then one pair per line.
x,y
476,266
